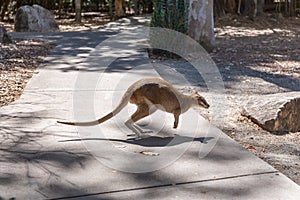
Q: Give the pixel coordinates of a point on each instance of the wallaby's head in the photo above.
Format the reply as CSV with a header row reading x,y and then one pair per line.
x,y
200,99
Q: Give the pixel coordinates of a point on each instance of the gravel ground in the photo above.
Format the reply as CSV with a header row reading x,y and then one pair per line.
x,y
254,57
258,58
18,62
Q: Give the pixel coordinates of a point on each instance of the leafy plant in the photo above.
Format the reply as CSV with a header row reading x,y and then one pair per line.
x,y
171,14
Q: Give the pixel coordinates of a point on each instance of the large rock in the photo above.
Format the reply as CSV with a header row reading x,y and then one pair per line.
x,y
34,19
4,37
278,113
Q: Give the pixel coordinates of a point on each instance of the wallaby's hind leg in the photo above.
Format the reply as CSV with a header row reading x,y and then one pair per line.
x,y
176,118
141,112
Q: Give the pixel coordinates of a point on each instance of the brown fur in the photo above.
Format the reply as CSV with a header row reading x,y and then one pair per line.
x,y
151,94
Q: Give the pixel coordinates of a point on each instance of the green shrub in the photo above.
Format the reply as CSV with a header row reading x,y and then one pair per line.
x,y
171,14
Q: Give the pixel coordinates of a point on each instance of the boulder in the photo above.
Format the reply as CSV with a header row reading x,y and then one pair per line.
x,y
277,113
34,19
4,37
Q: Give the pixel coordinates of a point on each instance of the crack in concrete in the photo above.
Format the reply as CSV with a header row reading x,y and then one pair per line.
x,y
165,185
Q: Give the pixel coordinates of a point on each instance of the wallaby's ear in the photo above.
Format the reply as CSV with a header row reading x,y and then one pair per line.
x,y
194,91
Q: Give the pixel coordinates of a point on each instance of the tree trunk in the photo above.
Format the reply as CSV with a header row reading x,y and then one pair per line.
x,y
4,9
249,8
201,23
230,6
60,8
78,11
149,7
260,7
136,7
291,7
219,10
110,6
119,11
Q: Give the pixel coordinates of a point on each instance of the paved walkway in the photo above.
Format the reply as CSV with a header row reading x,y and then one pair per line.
x,y
83,79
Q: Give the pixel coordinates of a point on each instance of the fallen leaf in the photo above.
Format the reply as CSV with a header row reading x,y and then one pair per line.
x,y
149,153
251,147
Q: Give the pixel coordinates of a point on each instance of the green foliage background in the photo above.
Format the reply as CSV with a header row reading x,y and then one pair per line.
x,y
171,14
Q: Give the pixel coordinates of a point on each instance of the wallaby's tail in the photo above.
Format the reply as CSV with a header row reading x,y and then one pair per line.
x,y
92,123
122,104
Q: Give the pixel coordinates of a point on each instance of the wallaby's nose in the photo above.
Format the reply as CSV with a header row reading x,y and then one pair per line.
x,y
207,105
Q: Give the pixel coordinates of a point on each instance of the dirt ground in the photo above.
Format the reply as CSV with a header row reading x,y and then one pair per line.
x,y
254,57
257,58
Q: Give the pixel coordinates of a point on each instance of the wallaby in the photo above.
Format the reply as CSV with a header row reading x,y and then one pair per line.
x,y
151,94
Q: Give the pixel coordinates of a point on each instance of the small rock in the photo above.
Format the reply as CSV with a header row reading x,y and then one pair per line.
x,y
4,37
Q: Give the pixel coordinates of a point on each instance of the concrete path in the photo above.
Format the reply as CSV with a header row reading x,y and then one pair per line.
x,y
83,79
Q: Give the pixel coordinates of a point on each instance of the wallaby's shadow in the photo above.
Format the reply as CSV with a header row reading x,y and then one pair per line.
x,y
151,141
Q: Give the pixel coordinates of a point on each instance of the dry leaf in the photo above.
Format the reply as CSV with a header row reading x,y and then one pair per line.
x,y
251,147
149,153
